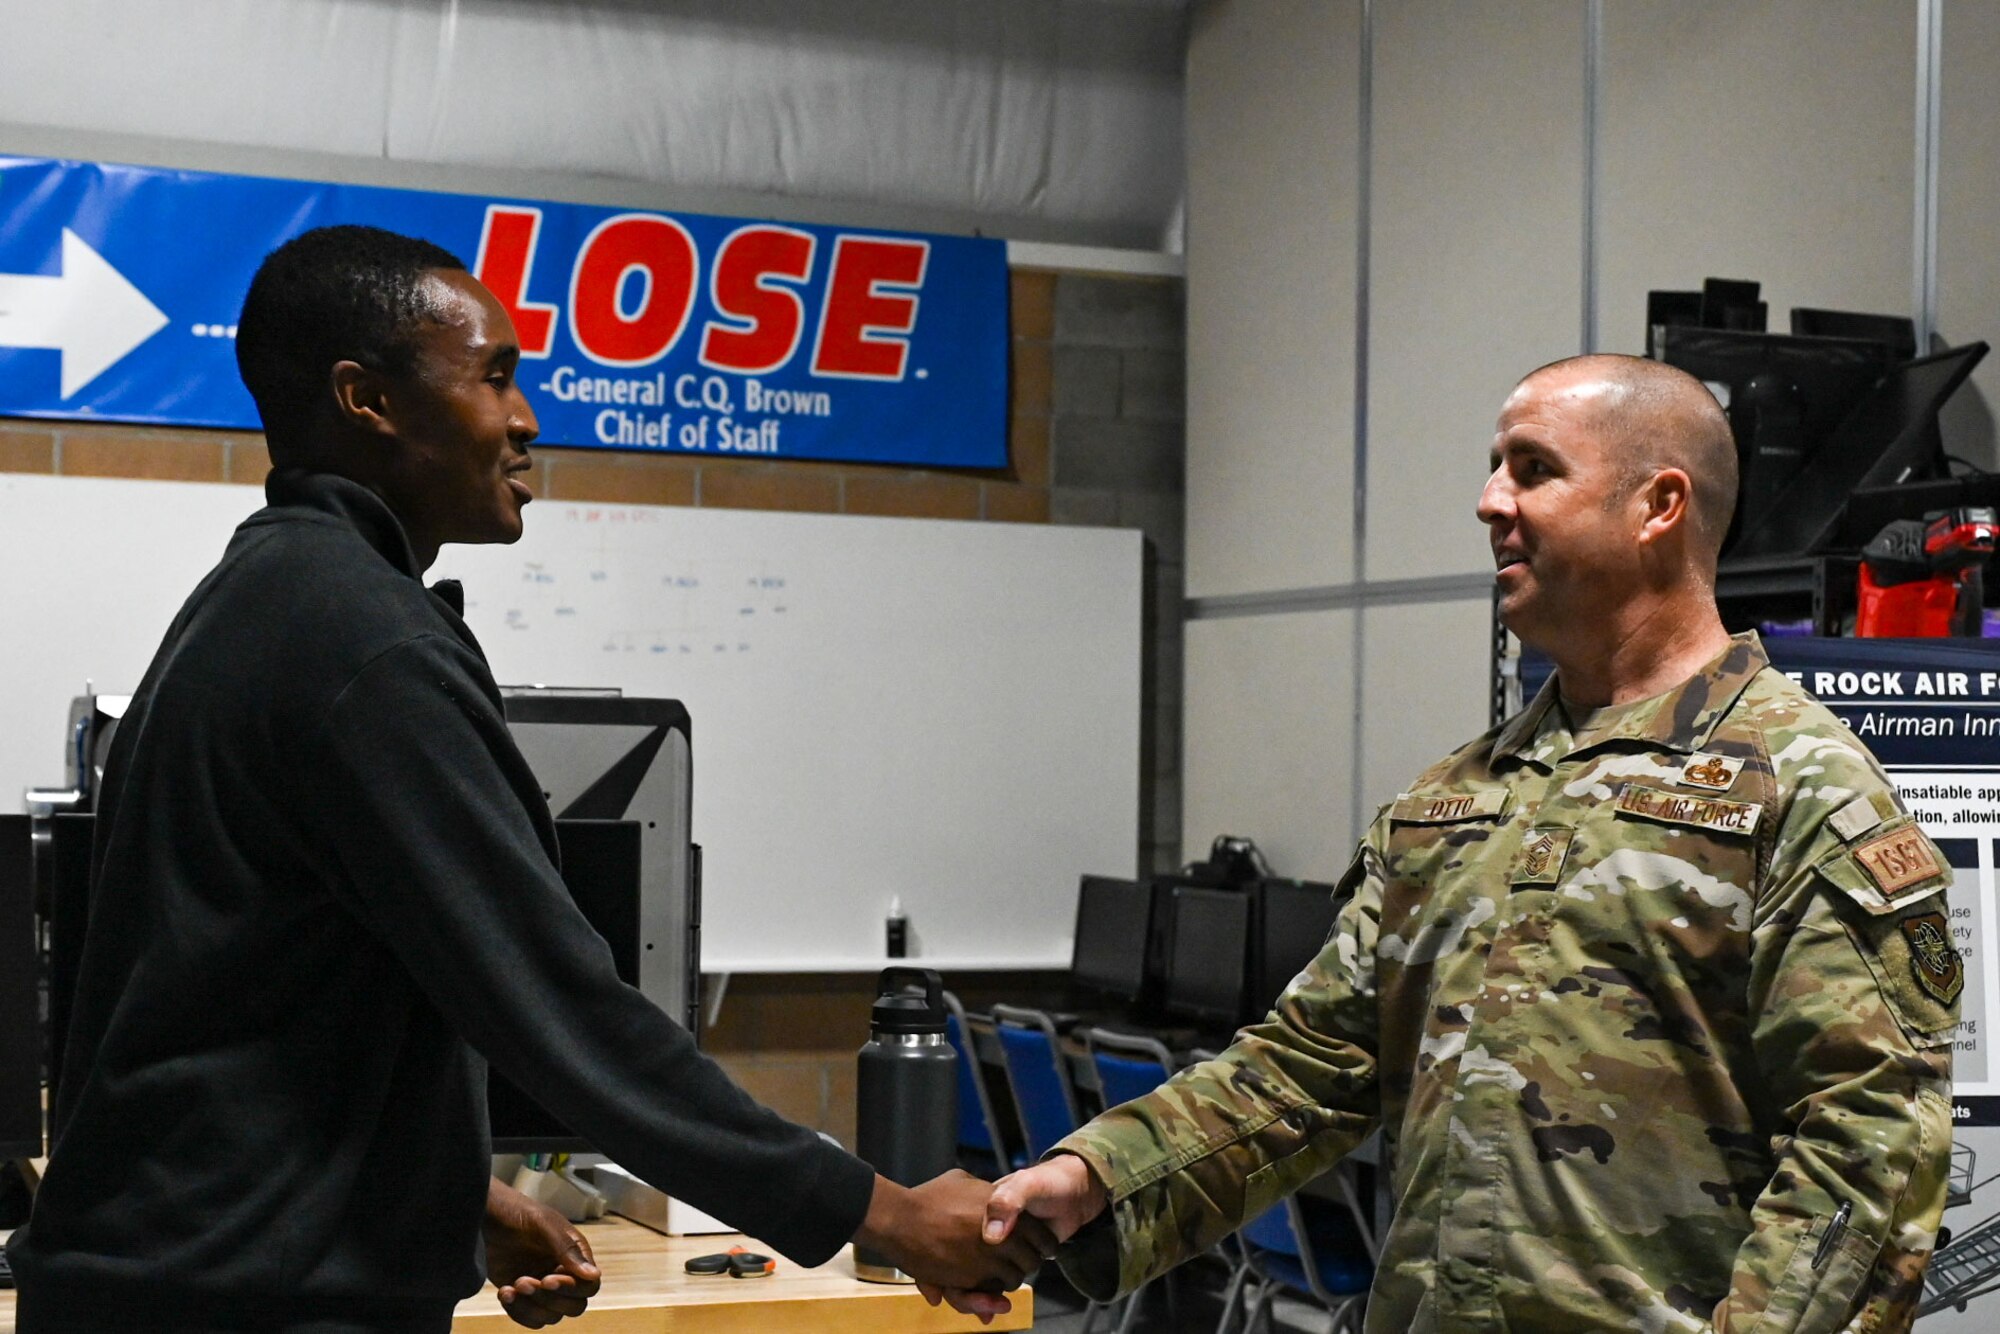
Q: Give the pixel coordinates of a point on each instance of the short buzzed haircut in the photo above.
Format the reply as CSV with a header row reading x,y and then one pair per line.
x,y
1658,417
333,294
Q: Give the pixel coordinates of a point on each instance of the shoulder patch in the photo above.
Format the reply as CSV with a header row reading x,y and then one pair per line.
x,y
1934,961
1898,860
1716,773
1450,807
1651,803
1918,969
1899,850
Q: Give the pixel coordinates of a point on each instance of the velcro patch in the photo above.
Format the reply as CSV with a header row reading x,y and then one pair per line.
x,y
1542,855
1450,807
1934,960
1898,860
1727,817
1717,773
1854,819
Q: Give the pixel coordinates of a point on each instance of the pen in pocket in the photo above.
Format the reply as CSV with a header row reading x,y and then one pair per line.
x,y
1833,1233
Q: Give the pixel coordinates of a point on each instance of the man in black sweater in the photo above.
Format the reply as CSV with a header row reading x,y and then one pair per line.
x,y
325,895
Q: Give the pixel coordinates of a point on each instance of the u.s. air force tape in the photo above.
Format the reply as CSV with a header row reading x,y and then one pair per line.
x,y
1651,803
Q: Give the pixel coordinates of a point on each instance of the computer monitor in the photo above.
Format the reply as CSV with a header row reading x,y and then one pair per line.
x,y
604,756
1896,332
1784,396
1208,955
1113,918
1294,919
600,866
1890,438
20,1008
1731,303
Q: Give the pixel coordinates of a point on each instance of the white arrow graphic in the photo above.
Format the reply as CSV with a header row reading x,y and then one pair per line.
x,y
91,313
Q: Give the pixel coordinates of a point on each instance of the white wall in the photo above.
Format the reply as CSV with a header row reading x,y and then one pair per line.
x,y
1764,139
1968,242
1772,140
1272,124
1261,771
1475,258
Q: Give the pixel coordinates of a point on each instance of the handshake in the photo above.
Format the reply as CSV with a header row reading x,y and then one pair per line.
x,y
968,1242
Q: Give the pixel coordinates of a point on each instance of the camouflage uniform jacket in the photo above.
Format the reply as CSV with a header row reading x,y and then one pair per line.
x,y
1639,1012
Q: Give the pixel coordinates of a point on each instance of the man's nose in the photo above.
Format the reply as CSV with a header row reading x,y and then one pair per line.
x,y
522,425
1496,498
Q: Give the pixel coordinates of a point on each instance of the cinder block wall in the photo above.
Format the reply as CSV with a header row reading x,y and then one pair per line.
x,y
1095,437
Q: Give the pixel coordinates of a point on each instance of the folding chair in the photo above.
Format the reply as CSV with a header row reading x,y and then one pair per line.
x,y
1128,1065
978,1126
1043,1097
1320,1250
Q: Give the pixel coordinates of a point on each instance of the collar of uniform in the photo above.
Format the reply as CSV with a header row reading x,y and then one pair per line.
x,y
368,513
1681,719
349,501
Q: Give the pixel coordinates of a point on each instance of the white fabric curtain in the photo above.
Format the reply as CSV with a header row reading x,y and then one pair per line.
x,y
1066,111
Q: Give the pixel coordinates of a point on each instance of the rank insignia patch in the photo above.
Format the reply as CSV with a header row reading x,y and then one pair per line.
x,y
1542,854
1717,773
1898,859
1933,958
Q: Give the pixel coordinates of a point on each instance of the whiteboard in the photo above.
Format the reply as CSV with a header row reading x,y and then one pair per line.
x,y
944,713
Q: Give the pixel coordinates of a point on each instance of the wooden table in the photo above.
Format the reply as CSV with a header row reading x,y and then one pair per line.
x,y
646,1292
645,1289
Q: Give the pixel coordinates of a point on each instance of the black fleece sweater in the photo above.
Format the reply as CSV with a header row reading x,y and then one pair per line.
x,y
325,894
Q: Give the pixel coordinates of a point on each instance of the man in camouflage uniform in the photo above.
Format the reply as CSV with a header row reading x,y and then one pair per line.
x,y
1650,988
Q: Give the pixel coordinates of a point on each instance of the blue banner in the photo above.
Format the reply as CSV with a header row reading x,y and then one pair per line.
x,y
120,288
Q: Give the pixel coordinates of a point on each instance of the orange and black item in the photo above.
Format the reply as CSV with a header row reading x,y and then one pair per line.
x,y
735,1262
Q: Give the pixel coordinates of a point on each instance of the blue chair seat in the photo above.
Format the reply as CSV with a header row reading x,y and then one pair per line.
x,y
1315,1249
1037,1075
1340,1273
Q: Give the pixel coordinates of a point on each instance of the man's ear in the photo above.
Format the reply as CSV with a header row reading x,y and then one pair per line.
x,y
361,398
1664,500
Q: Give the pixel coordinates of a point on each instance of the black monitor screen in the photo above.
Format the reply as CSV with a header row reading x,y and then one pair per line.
x,y
1785,395
1898,333
20,1017
600,865
1828,375
1296,918
1889,439
1211,944
1112,917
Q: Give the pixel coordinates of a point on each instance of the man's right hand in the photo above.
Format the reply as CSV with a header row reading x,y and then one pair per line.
x,y
1055,1198
1062,1193
933,1233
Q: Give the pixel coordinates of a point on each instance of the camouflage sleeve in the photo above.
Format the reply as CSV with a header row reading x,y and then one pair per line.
x,y
1224,1140
1853,1002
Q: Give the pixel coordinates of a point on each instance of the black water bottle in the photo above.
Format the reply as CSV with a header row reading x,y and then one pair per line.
x,y
907,1119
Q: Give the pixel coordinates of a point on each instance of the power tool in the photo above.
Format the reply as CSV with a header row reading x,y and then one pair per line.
x,y
1924,578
